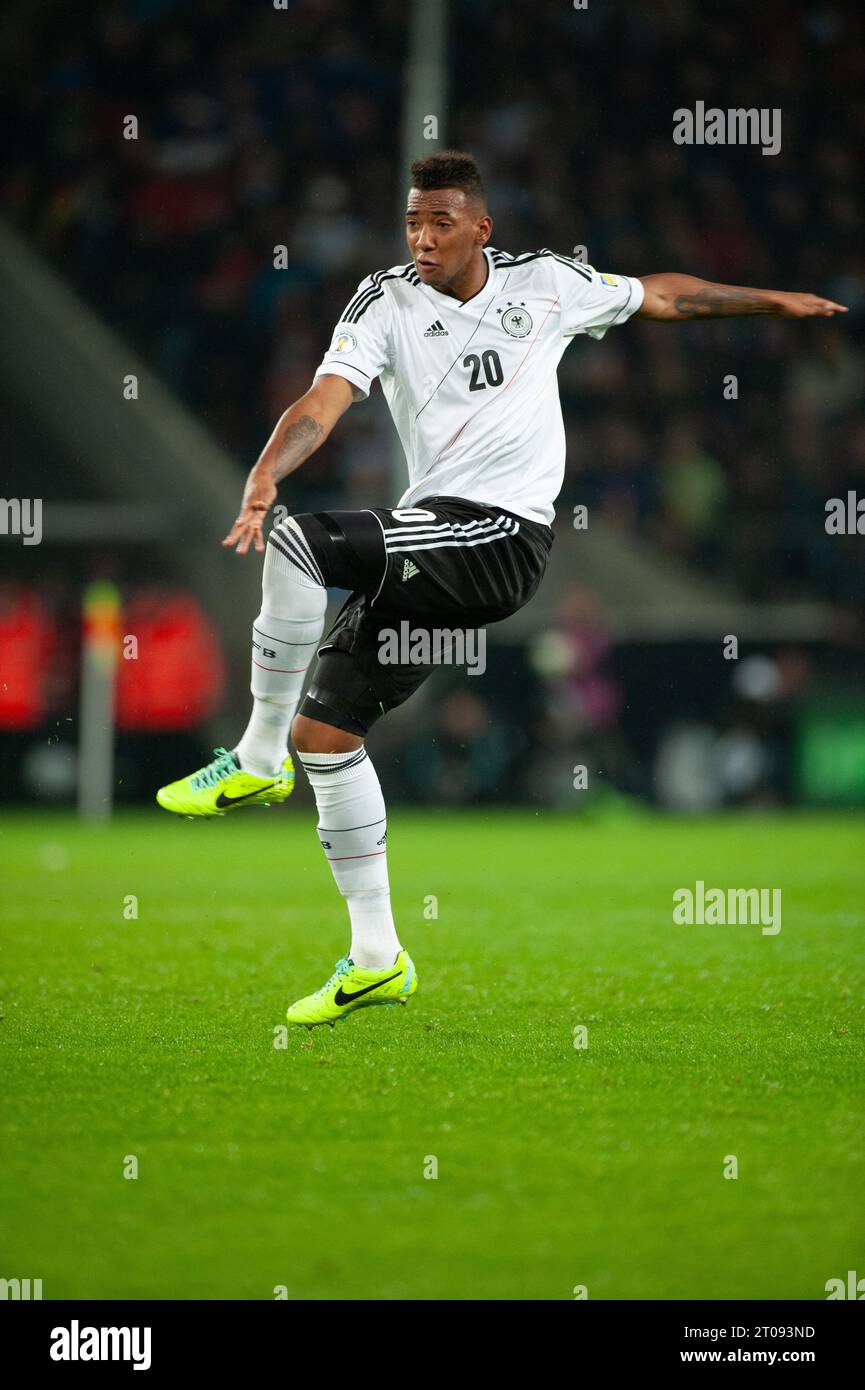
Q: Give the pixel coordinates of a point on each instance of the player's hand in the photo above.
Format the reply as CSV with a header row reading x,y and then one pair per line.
x,y
807,306
248,526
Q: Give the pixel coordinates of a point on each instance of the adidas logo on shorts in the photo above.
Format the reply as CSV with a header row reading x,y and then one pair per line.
x,y
409,570
436,330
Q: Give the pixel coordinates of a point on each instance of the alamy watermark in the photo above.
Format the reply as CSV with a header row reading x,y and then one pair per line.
x,y
21,516
754,907
854,1287
433,646
845,516
737,126
18,1290
77,1343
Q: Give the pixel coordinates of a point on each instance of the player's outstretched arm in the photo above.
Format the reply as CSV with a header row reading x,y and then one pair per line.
x,y
299,432
674,298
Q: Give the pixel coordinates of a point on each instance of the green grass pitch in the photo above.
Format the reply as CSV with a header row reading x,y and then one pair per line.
x,y
304,1166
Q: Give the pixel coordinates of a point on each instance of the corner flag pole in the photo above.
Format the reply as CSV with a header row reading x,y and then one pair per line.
x,y
424,120
99,655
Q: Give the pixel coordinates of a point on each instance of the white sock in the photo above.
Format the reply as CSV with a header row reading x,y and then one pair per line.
x,y
352,827
285,638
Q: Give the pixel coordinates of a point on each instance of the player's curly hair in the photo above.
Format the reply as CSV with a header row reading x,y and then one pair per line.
x,y
449,169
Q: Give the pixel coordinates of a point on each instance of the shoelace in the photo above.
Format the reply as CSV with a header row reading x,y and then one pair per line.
x,y
342,968
222,766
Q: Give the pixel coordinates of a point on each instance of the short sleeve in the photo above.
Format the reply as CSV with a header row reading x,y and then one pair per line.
x,y
359,349
592,300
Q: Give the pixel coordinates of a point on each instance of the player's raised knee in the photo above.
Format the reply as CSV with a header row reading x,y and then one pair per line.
x,y
311,736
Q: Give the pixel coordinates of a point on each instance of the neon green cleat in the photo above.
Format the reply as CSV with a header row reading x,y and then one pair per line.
x,y
353,987
222,785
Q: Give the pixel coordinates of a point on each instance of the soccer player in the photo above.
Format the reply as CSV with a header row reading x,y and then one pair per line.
x,y
466,341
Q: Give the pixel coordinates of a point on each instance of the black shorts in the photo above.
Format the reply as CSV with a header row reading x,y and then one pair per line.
x,y
444,565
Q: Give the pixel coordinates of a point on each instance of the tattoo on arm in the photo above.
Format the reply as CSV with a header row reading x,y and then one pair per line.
x,y
298,441
718,302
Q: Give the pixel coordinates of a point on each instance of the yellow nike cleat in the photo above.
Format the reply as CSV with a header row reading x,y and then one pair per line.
x,y
222,785
353,987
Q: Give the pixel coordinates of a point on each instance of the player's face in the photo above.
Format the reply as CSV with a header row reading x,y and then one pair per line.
x,y
444,231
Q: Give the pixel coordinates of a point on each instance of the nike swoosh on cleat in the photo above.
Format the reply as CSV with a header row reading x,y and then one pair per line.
x,y
223,800
341,998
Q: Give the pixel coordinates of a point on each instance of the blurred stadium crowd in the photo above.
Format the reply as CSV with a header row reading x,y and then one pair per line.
x,y
259,129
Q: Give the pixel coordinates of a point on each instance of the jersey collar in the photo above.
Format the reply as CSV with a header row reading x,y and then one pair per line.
x,y
478,300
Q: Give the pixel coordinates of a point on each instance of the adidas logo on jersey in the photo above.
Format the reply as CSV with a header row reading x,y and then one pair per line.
x,y
436,330
409,571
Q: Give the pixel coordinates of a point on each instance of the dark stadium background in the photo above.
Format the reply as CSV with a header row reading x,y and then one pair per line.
x,y
706,515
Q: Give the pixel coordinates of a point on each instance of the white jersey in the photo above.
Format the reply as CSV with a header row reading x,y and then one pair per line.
x,y
471,384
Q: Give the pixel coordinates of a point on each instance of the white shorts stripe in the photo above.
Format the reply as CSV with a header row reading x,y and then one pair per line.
x,y
397,539
456,541
411,526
